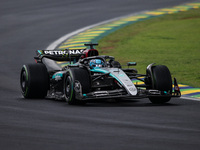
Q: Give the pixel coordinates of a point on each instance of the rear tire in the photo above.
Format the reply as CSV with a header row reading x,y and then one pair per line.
x,y
34,81
162,81
73,75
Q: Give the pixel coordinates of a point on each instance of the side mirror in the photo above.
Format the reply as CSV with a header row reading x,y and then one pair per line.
x,y
131,64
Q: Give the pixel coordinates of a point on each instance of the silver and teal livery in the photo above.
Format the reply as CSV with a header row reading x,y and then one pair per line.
x,y
121,77
88,76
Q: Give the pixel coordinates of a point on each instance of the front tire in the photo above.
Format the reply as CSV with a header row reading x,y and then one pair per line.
x,y
162,81
80,76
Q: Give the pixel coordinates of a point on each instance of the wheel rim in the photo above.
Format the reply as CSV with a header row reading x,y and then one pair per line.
x,y
68,88
23,81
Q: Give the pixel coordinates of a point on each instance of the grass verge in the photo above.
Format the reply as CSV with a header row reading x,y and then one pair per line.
x,y
172,40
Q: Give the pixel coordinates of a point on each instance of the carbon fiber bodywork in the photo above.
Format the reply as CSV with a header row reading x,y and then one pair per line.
x,y
108,81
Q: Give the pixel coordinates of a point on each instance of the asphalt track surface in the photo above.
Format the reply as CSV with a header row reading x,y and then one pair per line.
x,y
26,26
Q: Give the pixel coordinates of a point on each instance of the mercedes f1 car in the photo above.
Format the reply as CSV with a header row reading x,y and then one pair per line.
x,y
89,76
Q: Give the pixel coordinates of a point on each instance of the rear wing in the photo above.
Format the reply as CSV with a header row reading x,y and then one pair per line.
x,y
91,45
60,55
67,54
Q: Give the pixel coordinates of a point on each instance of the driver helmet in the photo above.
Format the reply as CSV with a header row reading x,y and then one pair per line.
x,y
96,63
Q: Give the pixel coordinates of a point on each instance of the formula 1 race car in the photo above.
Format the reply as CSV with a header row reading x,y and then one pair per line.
x,y
89,76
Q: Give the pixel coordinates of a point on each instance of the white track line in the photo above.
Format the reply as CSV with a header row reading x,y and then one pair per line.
x,y
190,98
55,44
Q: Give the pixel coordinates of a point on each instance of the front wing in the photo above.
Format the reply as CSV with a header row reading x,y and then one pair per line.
x,y
122,93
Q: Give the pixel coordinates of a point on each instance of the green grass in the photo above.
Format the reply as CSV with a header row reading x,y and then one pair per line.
x,y
172,40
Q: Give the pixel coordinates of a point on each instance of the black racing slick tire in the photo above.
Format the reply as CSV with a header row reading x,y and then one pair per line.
x,y
162,81
34,81
74,76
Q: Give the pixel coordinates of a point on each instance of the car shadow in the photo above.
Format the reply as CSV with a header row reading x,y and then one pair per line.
x,y
107,103
126,103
